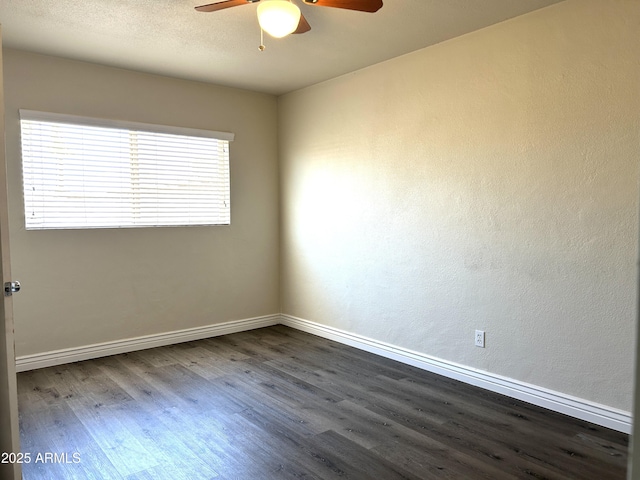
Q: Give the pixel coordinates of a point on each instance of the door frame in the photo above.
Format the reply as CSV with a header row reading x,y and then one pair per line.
x,y
9,423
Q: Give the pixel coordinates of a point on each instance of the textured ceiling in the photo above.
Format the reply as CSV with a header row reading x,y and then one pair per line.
x,y
168,37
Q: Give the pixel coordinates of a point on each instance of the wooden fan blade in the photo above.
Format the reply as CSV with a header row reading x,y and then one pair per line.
x,y
214,7
359,5
303,26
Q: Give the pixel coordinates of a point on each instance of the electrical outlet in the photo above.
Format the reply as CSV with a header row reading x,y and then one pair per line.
x,y
480,338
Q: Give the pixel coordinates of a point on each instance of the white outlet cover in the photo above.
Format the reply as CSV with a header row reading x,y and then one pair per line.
x,y
479,338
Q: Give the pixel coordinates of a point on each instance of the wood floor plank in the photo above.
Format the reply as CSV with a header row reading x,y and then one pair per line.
x,y
279,411
286,387
502,421
124,450
57,430
268,447
170,452
276,403
136,385
428,458
227,444
355,460
200,361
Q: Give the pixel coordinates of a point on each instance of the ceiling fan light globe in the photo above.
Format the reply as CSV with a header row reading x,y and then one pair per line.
x,y
278,17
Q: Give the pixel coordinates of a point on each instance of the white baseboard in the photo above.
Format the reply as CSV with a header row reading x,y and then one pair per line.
x,y
559,402
76,354
576,407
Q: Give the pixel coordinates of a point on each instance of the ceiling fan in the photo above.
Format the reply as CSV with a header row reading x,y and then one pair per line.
x,y
282,17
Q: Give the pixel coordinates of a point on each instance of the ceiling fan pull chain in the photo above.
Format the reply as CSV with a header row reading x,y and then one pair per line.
x,y
261,47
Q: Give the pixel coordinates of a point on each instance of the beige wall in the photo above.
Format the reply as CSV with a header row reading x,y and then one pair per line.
x,y
85,287
489,182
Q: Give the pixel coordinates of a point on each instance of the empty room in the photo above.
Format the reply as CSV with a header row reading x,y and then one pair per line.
x,y
399,240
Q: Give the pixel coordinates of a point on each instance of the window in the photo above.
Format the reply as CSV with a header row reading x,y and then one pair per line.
x,y
90,173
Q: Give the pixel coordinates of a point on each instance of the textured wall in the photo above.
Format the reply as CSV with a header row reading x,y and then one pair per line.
x,y
92,286
489,182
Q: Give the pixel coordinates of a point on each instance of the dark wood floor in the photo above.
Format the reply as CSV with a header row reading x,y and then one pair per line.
x,y
277,403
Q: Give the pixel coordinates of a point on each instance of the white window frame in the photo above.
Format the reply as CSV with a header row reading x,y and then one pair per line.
x,y
146,175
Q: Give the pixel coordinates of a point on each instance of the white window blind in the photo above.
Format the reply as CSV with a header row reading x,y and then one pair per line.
x,y
90,173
